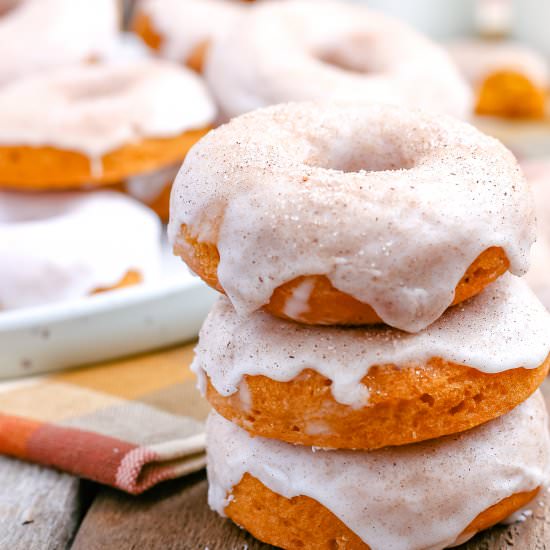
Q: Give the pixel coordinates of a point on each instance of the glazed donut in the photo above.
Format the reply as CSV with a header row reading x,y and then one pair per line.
x,y
181,30
62,246
99,124
509,79
303,50
367,388
429,495
36,35
350,213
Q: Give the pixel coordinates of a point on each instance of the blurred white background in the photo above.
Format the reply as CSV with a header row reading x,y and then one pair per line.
x,y
527,20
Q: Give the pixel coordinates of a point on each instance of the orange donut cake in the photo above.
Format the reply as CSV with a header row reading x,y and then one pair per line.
x,y
366,388
429,495
509,79
64,246
99,124
350,213
181,30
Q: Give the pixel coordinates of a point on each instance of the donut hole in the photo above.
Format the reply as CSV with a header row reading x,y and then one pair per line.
x,y
352,53
384,153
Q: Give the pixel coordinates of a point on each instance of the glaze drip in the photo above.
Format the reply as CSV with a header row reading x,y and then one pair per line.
x,y
505,327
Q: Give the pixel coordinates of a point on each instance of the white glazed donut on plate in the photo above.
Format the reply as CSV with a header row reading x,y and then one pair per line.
x,y
425,496
509,79
120,119
43,34
62,246
100,124
181,30
304,50
349,213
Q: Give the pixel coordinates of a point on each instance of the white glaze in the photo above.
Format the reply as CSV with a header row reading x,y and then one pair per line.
x,y
414,497
186,24
538,276
504,327
283,55
420,198
127,48
148,187
96,109
298,303
37,35
478,59
61,246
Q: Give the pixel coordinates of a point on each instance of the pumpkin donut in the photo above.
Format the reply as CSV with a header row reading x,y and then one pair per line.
x,y
510,80
182,30
429,495
367,388
336,213
99,124
301,50
40,35
64,246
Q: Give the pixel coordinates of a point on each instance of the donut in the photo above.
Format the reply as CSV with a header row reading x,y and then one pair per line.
x,y
63,246
99,124
302,50
38,35
510,80
348,213
181,30
428,495
371,387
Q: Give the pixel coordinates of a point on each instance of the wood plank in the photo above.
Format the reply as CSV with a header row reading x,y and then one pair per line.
x,y
40,509
176,516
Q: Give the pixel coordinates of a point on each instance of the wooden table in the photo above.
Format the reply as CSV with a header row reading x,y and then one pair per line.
x,y
41,509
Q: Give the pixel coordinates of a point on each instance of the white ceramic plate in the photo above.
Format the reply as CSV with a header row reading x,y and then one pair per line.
x,y
104,326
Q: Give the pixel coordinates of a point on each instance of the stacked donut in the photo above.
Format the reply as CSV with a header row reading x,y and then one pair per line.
x,y
83,110
354,407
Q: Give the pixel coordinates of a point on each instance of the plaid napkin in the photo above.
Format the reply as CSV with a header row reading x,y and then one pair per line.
x,y
130,424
